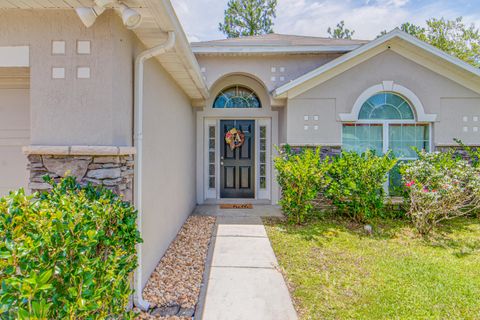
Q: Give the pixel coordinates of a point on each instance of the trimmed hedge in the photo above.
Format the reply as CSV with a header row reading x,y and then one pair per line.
x,y
69,253
352,182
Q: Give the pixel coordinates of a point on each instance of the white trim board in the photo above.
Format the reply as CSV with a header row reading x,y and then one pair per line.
x,y
15,56
389,86
390,41
265,49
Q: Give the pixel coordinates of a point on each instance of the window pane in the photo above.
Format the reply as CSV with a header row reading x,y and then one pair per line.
x,y
360,138
404,136
263,157
211,182
386,105
263,182
263,132
263,170
385,112
237,97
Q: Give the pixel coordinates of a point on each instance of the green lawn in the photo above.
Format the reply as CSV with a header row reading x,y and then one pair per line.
x,y
337,272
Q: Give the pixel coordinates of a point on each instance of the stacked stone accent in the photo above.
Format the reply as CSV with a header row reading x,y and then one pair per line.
x,y
459,150
325,151
109,169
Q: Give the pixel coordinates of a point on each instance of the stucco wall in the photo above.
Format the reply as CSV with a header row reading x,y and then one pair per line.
x,y
71,111
14,134
215,67
168,163
439,95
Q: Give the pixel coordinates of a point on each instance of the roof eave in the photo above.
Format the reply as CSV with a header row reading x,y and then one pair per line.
x,y
164,14
282,92
265,49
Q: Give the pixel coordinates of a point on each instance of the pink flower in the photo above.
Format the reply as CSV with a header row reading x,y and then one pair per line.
x,y
425,189
409,184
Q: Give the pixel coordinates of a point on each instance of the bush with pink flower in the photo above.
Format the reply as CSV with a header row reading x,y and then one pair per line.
x,y
440,186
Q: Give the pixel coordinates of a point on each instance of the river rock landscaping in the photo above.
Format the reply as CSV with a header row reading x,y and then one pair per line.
x,y
174,286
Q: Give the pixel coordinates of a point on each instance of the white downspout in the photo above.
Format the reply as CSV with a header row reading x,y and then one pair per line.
x,y
138,142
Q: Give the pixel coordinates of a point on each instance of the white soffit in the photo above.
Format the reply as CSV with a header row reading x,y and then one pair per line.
x,y
15,56
351,59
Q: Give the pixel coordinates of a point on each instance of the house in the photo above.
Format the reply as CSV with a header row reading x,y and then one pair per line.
x,y
113,93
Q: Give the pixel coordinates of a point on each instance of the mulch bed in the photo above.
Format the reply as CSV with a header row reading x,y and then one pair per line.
x,y
174,286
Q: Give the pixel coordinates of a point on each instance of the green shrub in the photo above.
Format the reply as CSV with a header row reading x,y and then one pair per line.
x,y
67,254
300,177
357,183
440,186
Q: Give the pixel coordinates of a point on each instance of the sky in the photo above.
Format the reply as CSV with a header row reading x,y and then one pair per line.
x,y
200,18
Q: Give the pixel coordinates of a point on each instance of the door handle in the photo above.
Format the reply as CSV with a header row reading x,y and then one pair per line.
x,y
221,163
221,157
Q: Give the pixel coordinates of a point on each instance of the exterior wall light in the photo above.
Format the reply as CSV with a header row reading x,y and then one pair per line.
x,y
89,15
131,18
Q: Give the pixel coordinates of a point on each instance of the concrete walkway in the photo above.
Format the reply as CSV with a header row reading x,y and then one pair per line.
x,y
243,280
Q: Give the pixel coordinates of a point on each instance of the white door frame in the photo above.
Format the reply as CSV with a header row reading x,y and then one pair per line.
x,y
204,193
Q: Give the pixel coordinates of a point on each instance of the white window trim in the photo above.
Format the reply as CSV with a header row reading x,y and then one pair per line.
x,y
210,193
260,194
388,86
263,193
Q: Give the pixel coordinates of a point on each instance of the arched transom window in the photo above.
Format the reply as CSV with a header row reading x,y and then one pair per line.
x,y
237,97
386,105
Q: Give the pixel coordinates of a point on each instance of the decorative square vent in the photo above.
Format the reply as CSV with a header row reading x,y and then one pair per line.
x,y
58,47
83,73
84,47
58,73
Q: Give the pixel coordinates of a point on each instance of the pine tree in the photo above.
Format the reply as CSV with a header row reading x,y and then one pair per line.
x,y
248,18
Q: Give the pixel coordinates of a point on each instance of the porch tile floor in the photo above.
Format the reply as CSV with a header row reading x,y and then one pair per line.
x,y
259,210
244,282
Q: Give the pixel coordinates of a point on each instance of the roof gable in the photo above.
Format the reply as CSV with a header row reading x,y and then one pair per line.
x,y
399,42
275,43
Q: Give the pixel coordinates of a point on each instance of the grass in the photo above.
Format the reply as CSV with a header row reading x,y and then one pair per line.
x,y
336,271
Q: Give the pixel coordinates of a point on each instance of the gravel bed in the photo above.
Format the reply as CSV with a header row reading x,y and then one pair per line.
x,y
174,286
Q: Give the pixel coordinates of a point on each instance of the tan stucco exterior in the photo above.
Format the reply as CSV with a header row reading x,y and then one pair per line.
x,y
99,111
285,67
14,134
439,95
95,111
169,164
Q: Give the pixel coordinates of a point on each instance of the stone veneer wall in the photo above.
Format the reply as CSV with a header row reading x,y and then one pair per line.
x,y
459,150
324,150
111,167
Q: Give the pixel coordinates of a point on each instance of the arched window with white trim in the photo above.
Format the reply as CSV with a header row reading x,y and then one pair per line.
x,y
387,121
237,97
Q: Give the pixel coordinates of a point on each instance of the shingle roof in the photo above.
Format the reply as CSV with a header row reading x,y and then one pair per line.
x,y
282,40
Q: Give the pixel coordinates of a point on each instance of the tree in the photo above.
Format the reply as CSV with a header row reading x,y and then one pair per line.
x,y
248,17
451,36
340,32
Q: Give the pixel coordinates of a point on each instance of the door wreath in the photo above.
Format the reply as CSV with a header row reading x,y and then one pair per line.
x,y
234,138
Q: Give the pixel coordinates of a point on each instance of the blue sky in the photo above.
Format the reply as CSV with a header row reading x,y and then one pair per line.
x,y
200,18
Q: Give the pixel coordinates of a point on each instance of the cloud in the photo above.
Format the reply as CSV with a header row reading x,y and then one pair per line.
x,y
314,17
368,18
